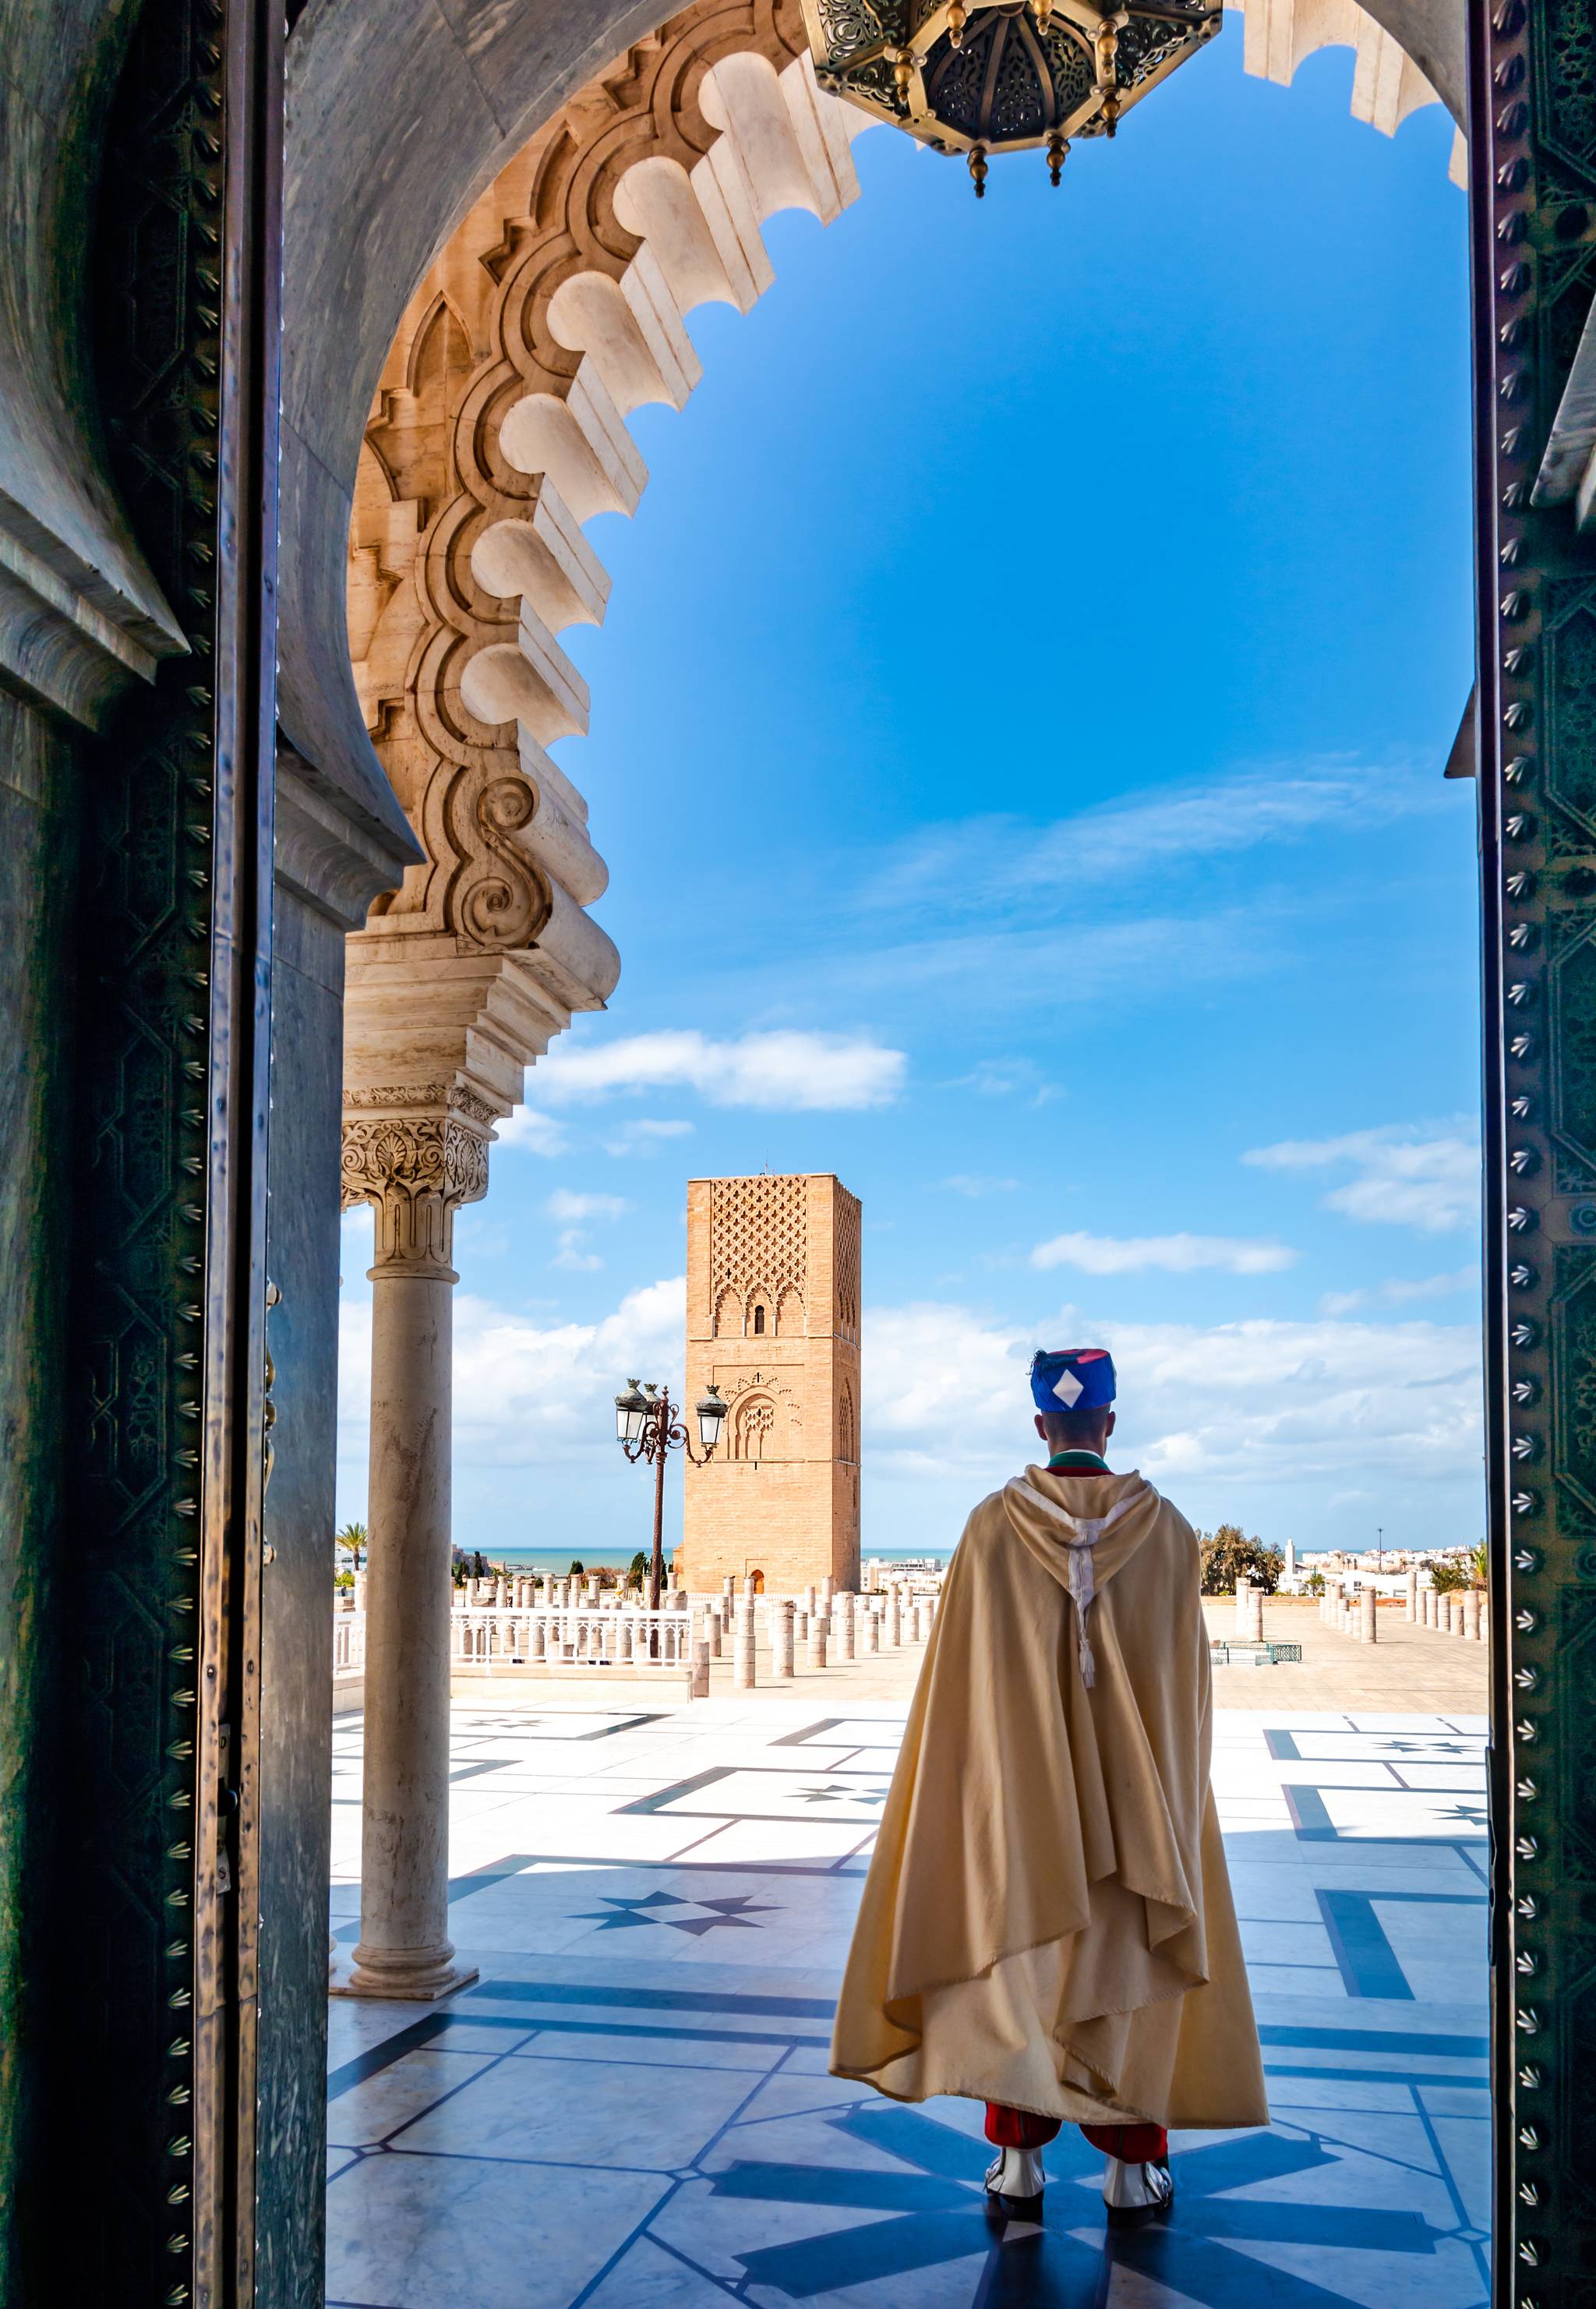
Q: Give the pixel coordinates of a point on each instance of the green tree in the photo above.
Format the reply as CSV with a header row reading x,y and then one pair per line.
x,y
1449,1575
353,1537
1229,1555
1314,1583
637,1575
577,1571
1480,1563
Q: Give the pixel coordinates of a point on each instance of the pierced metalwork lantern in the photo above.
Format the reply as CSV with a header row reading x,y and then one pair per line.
x,y
1026,76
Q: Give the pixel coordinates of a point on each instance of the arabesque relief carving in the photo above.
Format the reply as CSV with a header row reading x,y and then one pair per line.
x,y
416,1168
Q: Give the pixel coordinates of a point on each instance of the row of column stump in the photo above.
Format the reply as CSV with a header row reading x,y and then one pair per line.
x,y
1462,1612
831,1625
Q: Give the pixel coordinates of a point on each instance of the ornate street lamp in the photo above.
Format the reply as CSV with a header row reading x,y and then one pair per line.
x,y
647,1427
1026,76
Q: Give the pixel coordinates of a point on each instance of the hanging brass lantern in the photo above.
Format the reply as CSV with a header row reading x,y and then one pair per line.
x,y
1026,74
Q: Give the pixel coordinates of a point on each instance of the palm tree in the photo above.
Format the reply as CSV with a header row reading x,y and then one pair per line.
x,y
353,1537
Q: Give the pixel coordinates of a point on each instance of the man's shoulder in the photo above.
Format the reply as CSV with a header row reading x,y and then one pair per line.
x,y
986,1516
1178,1532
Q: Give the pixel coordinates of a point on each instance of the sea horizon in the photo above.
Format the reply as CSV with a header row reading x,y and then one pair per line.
x,y
559,1560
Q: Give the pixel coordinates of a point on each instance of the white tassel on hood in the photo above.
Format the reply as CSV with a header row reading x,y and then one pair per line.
x,y
1080,1535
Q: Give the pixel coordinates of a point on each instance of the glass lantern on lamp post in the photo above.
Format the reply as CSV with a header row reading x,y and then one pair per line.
x,y
648,1426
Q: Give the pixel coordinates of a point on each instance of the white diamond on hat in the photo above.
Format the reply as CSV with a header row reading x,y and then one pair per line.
x,y
1068,1388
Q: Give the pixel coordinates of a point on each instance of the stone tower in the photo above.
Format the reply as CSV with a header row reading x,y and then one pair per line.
x,y
774,1320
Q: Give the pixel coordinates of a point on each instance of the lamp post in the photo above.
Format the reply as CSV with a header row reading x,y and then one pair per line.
x,y
646,1427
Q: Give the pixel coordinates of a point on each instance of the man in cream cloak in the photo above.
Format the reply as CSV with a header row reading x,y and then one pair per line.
x,y
1047,1925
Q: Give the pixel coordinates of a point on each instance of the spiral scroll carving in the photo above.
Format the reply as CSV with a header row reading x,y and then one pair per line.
x,y
499,899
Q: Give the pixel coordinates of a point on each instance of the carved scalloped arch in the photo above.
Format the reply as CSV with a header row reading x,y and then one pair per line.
x,y
554,310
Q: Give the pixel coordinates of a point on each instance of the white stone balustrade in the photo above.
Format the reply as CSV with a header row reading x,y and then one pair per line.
x,y
579,1636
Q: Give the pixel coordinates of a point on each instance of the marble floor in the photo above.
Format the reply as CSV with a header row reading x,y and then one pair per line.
x,y
631,2110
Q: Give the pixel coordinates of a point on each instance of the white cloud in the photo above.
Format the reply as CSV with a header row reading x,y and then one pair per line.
x,y
783,1071
528,1392
1229,1417
1403,1292
1175,1254
535,1133
964,1183
1402,1178
646,1135
573,1209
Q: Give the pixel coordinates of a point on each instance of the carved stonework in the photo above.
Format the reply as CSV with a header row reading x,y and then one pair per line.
x,y
416,1168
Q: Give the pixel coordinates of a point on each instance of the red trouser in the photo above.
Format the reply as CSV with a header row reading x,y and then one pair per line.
x,y
1133,2144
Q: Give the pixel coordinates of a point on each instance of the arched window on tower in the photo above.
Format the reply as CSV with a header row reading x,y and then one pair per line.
x,y
753,1424
759,1322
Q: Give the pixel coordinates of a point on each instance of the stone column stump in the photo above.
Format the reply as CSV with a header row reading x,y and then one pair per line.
x,y
743,1670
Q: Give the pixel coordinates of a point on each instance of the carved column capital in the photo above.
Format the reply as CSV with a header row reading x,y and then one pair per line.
x,y
416,1152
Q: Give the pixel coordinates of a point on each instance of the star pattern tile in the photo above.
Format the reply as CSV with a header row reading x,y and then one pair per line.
x,y
737,1912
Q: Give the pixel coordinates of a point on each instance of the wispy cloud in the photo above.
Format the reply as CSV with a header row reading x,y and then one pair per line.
x,y
1403,1292
978,862
1009,1077
646,1135
962,1183
1173,1254
1402,1176
573,1209
783,1071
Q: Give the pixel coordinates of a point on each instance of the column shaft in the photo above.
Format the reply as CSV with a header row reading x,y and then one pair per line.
x,y
404,1948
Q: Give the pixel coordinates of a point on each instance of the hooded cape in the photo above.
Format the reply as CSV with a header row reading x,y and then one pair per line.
x,y
1047,1921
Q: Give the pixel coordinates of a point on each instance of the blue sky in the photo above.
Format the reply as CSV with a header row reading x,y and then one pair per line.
x,y
1016,744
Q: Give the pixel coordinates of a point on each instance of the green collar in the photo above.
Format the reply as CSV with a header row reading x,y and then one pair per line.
x,y
1078,1463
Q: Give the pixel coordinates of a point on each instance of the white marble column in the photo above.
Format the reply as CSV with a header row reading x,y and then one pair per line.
x,y
416,1166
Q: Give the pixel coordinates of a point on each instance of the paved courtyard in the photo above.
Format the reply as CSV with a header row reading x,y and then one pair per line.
x,y
631,2109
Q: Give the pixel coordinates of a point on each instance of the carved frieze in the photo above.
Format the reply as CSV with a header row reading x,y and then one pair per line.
x,y
416,1168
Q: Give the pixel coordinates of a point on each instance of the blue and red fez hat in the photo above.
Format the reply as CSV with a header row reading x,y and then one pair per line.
x,y
1075,1379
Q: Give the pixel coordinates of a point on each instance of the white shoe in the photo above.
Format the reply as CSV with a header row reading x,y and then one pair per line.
x,y
1134,2193
1015,2180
